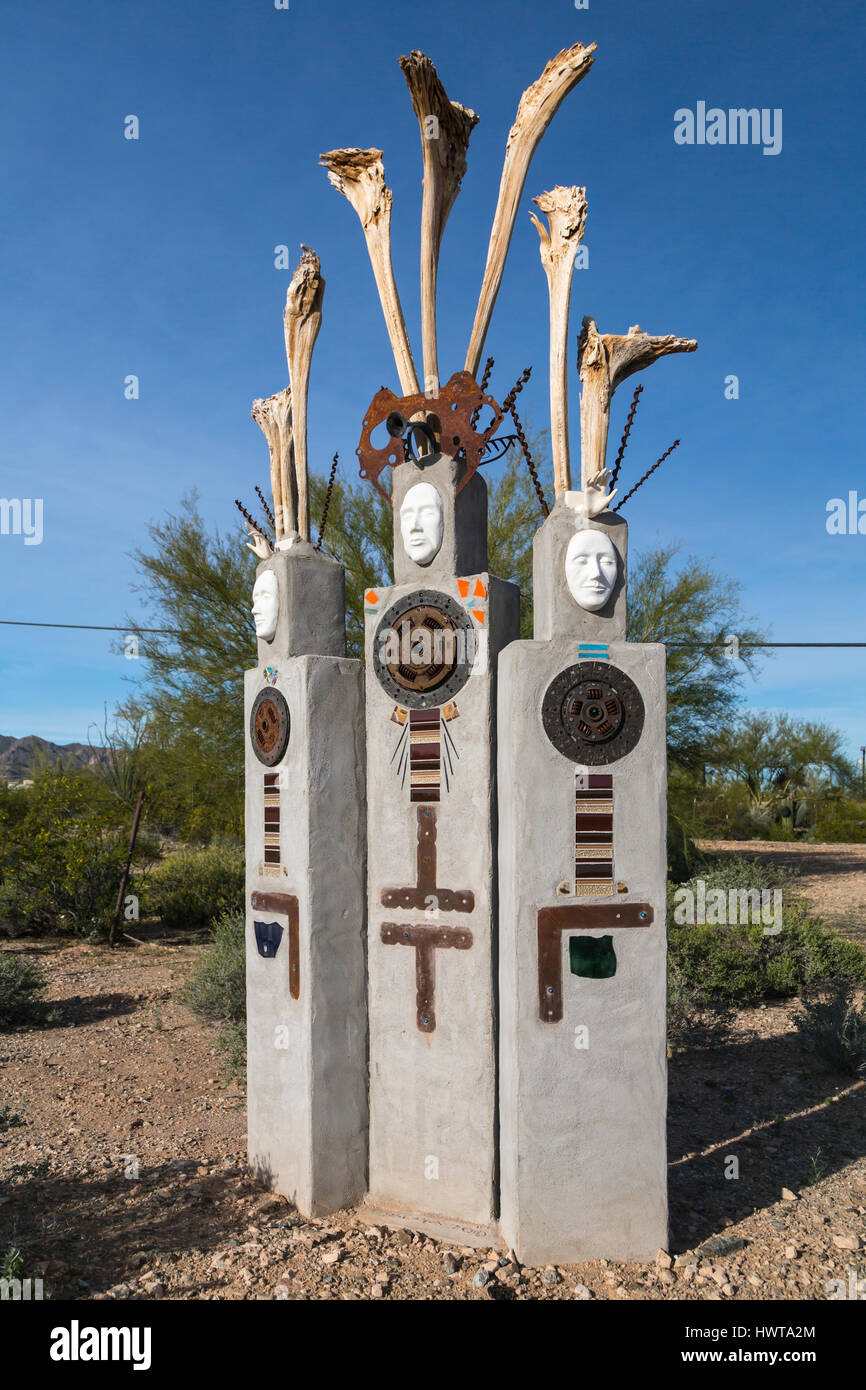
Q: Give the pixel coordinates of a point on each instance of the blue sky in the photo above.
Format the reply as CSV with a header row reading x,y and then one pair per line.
x,y
156,257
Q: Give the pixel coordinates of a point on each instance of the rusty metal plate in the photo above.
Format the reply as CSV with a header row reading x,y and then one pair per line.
x,y
425,893
553,921
287,904
270,726
593,713
426,941
423,649
449,414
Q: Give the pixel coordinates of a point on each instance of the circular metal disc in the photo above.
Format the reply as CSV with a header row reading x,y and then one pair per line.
x,y
593,713
423,649
270,725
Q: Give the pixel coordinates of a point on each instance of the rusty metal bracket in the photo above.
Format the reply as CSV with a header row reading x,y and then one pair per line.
x,y
287,904
553,921
449,414
419,896
426,940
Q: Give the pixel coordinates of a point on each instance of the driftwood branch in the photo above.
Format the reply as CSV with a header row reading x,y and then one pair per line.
x,y
565,209
537,108
359,175
445,130
302,319
274,418
604,361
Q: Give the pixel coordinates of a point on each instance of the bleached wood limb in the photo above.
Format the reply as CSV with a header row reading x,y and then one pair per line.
x,y
537,108
302,319
274,418
360,176
566,214
445,130
604,361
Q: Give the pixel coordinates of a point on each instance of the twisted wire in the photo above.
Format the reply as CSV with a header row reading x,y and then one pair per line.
x,y
624,441
533,472
267,511
488,368
516,390
324,520
646,475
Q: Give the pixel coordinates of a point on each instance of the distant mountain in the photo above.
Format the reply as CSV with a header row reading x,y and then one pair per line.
x,y
19,757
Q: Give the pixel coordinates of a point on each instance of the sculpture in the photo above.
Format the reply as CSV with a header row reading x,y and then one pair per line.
x,y
591,569
487,1123
282,418
266,605
421,523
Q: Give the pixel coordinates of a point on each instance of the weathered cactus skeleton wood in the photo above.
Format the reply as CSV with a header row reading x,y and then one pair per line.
x,y
604,360
566,213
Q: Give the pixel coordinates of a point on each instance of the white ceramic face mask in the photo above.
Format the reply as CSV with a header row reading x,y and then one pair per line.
x,y
266,605
591,569
421,523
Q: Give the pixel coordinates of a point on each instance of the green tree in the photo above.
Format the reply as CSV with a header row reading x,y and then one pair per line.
x,y
772,755
693,610
196,587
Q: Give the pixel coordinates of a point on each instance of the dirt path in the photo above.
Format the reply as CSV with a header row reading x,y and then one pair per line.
x,y
832,877
122,1168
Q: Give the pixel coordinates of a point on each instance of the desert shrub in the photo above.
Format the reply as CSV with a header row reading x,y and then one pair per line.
x,y
832,1026
63,844
695,1014
719,966
232,1043
12,1264
684,857
9,1118
216,990
22,984
196,886
841,821
717,812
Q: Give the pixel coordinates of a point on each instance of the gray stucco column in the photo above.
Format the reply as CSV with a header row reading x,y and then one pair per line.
x,y
582,874
431,834
305,900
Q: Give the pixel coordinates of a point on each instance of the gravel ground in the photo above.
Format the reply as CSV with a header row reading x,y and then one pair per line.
x,y
122,1167
832,878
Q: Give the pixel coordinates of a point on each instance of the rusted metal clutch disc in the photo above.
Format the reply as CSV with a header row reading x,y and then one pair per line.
x,y
270,725
423,649
593,713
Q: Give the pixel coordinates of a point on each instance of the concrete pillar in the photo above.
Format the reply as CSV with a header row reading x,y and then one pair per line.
x,y
582,873
305,899
432,868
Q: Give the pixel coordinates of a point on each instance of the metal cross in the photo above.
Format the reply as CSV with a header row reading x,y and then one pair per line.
x,y
424,895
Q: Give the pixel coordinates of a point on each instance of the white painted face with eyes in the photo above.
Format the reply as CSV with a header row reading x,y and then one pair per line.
x,y
266,605
591,569
421,523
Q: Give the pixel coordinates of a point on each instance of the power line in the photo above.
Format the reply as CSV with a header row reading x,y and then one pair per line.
x,y
88,627
751,645
172,632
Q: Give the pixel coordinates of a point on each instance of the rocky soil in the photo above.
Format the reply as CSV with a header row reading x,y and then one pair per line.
x,y
122,1167
832,878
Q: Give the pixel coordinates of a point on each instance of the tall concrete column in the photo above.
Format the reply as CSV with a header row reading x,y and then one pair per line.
x,y
432,641
582,873
305,898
